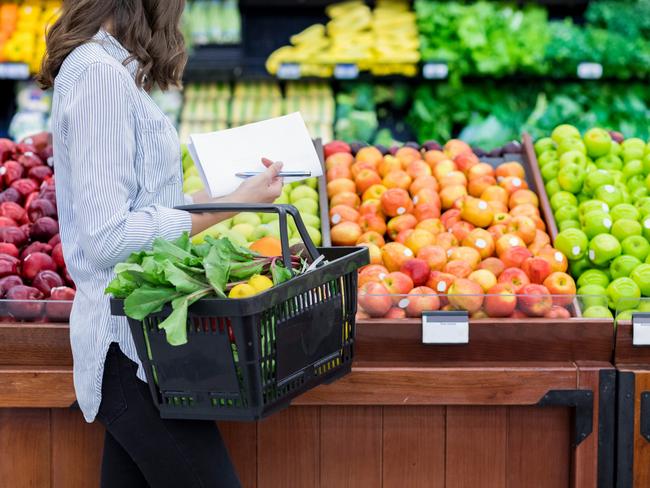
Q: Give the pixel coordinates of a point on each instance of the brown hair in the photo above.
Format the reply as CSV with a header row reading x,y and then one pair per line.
x,y
148,29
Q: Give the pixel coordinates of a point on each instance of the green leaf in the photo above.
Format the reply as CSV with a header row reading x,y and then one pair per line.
x,y
121,286
217,270
183,282
153,272
147,300
244,271
184,242
279,273
175,326
163,249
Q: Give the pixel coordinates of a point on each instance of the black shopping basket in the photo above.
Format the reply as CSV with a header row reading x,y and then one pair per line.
x,y
247,358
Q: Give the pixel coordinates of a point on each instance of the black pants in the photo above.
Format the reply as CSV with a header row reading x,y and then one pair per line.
x,y
144,451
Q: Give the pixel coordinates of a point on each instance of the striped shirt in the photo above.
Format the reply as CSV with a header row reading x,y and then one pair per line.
x,y
118,175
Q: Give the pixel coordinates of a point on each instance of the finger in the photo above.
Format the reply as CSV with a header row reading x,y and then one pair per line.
x,y
273,171
267,162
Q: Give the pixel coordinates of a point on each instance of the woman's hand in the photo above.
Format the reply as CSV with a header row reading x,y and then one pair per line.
x,y
263,188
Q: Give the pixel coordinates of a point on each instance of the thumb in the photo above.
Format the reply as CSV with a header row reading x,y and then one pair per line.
x,y
273,171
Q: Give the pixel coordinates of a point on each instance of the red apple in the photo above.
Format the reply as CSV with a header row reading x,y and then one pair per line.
x,y
422,299
464,294
374,299
397,283
562,287
535,300
514,277
493,264
515,256
418,270
558,313
537,269
500,301
396,313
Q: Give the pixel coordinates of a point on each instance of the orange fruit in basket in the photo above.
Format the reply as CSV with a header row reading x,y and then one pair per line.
x,y
267,246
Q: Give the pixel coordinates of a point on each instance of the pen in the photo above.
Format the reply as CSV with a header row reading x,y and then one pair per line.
x,y
283,174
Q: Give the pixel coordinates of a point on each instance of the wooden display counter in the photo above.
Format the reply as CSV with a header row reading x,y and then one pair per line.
x,y
520,405
633,410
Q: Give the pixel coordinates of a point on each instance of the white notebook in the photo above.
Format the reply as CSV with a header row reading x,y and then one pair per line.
x,y
220,155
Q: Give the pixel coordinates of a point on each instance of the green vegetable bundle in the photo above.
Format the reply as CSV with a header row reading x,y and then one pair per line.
x,y
182,273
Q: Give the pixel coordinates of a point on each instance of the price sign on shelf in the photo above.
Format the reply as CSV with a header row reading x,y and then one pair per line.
x,y
14,71
435,71
289,71
590,71
445,328
346,71
641,329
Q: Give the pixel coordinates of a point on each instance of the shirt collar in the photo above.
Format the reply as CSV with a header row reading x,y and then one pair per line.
x,y
113,47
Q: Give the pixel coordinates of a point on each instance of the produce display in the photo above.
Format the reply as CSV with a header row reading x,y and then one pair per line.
x,y
216,106
261,231
22,30
383,41
32,267
212,22
180,273
599,188
444,231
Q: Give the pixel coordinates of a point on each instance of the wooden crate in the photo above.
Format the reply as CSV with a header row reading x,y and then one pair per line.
x,y
633,410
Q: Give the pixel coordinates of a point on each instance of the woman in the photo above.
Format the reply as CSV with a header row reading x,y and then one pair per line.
x,y
118,172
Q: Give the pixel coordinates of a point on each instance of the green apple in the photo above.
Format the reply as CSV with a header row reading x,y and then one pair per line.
x,y
260,232
596,222
626,315
598,142
623,294
635,182
639,193
646,226
236,237
563,198
597,312
625,211
543,145
315,235
283,199
573,157
294,241
596,179
643,204
550,171
573,243
571,145
636,246
609,194
617,175
610,162
311,183
623,265
625,228
633,148
603,248
593,277
564,131
244,230
583,197
269,217
552,187
302,192
646,163
568,212
247,218
307,206
296,184
311,220
632,168
579,266
193,184
547,157
641,276
592,295
569,224
644,305
274,229
591,205
624,193
191,171
615,150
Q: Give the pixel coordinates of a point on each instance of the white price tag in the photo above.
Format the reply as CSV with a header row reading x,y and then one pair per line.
x,y
14,71
641,329
289,71
445,328
590,71
346,71
435,71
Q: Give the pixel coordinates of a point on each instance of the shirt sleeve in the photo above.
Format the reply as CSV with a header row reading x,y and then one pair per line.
x,y
101,143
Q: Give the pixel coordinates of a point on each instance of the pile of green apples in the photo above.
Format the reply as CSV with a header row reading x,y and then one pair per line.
x,y
247,227
599,190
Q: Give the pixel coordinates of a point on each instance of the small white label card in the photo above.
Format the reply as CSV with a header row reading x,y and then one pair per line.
x,y
445,328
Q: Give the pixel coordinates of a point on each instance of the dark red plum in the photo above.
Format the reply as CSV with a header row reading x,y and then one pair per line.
x,y
7,148
7,222
9,265
46,280
20,307
55,240
40,207
13,235
44,229
11,195
9,282
36,247
68,278
35,263
25,186
30,160
432,146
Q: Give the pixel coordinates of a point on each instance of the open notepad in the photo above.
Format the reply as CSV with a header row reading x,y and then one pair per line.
x,y
219,156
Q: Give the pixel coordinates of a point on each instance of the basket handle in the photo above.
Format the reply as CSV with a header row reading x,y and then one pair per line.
x,y
281,210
